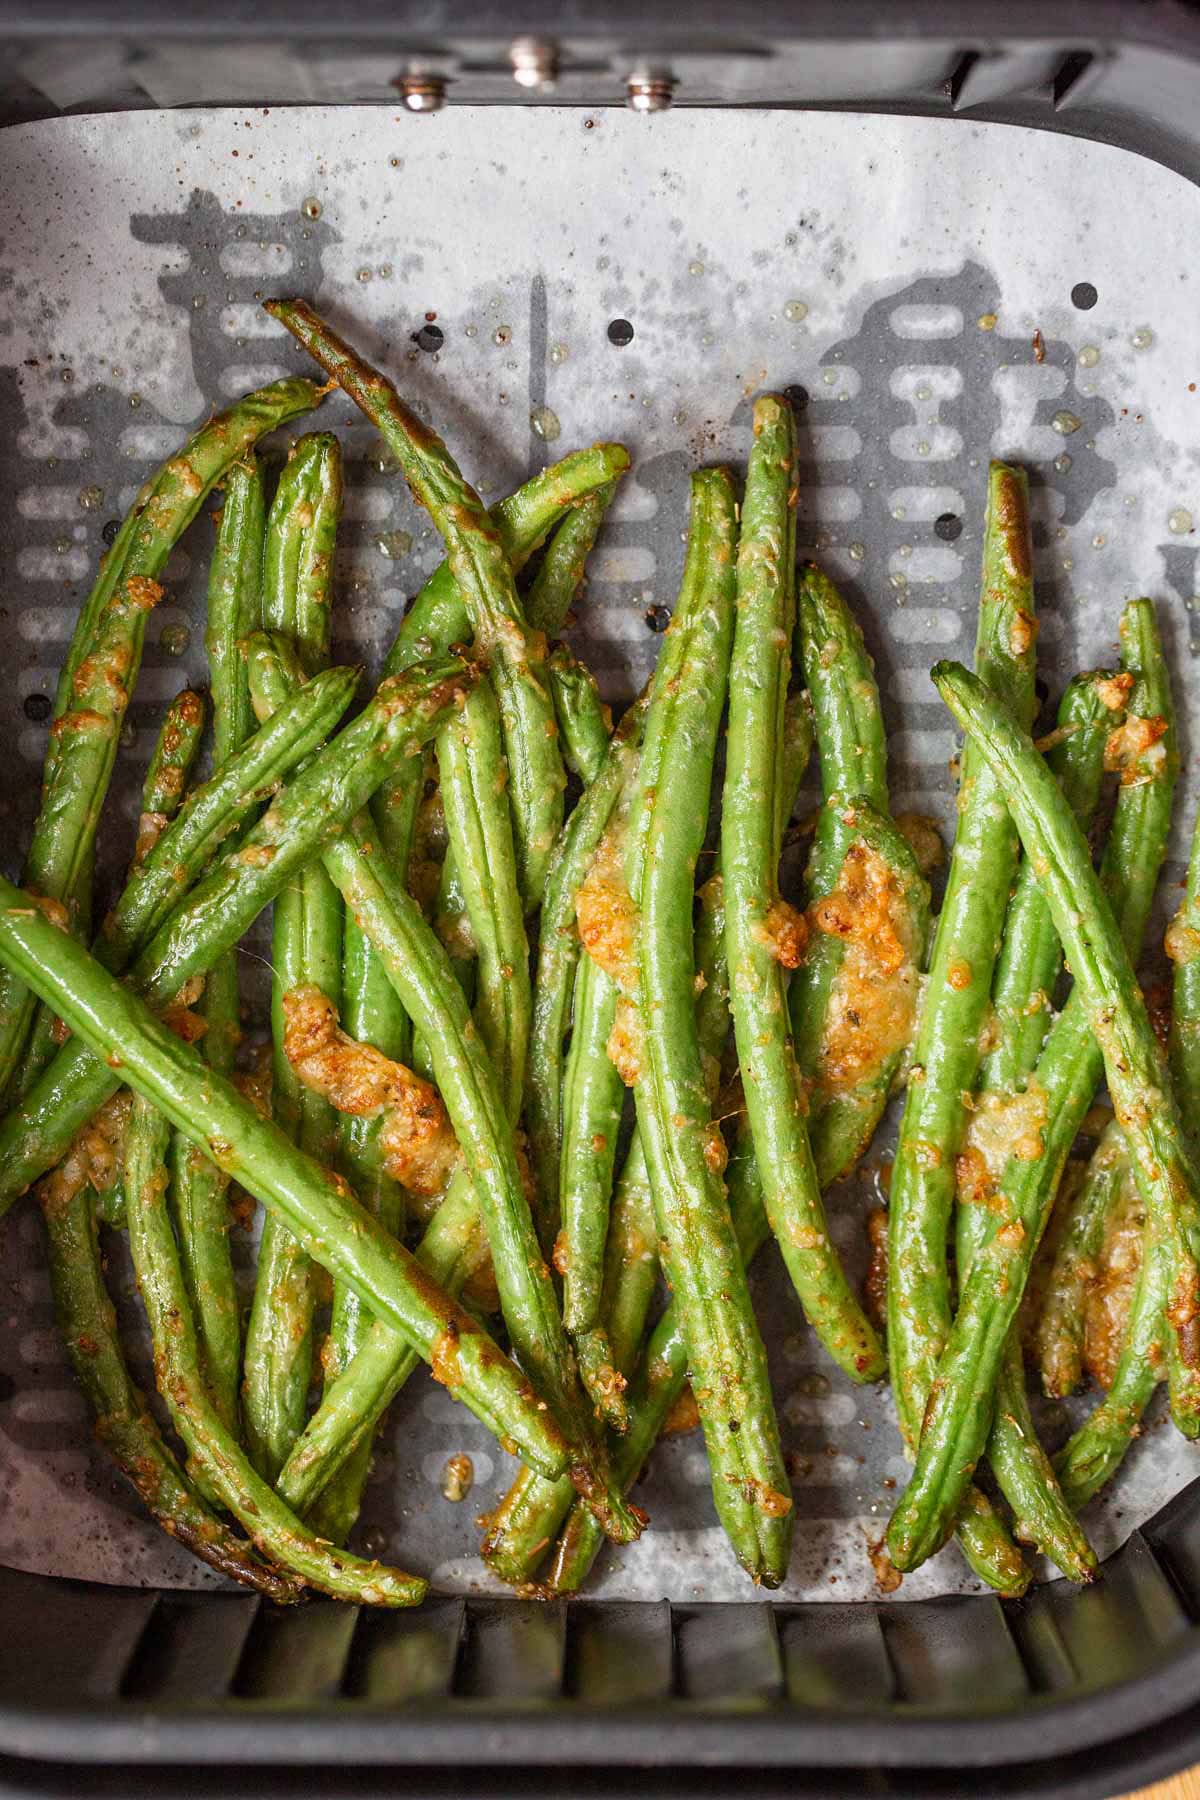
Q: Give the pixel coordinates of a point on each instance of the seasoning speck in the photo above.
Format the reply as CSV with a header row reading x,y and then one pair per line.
x,y
502,334
457,1477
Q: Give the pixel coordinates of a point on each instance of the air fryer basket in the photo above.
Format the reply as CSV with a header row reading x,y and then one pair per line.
x,y
396,219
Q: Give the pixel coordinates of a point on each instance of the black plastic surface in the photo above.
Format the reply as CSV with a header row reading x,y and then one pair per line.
x,y
923,1690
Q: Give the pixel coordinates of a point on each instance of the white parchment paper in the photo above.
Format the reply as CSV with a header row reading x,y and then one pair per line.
x,y
900,276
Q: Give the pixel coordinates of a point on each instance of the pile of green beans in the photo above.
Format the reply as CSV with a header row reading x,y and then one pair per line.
x,y
582,1072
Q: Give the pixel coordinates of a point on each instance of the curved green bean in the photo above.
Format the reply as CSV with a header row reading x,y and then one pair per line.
x,y
437,618
171,763
555,587
214,811
310,811
584,722
124,1423
1099,922
484,576
86,732
1026,972
214,1450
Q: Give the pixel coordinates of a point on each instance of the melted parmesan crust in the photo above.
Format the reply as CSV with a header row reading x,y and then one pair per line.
x,y
873,999
418,1146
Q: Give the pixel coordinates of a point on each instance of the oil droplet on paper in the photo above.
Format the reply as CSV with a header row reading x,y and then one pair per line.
x,y
394,544
1065,423
1179,521
545,423
174,639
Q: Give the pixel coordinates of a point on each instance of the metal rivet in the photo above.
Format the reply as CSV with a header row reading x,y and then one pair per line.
x,y
649,91
534,62
422,93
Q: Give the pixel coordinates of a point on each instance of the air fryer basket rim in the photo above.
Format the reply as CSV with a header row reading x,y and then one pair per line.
x,y
1145,1724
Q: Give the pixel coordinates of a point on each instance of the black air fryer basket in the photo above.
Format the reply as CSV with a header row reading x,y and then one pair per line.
x,y
114,1689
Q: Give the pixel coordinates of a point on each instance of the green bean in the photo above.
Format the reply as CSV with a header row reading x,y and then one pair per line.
x,y
64,833
212,1446
235,604
198,1189
557,959
878,913
108,575
213,812
584,722
124,1423
306,950
484,575
305,816
299,548
438,619
171,762
848,724
523,1526
315,1203
970,927
660,1378
1060,1325
1182,944
480,827
368,1015
86,732
1026,972
761,929
453,1248
482,1091
679,1137
1094,1453
1030,956
1103,1024
593,1100
556,585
